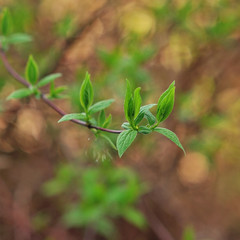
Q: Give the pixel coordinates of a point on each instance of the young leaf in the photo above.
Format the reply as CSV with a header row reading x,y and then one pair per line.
x,y
86,93
100,106
144,130
19,38
127,107
166,92
107,121
68,117
55,92
165,103
124,140
5,23
150,117
144,112
21,93
101,118
170,135
48,79
32,70
126,125
137,101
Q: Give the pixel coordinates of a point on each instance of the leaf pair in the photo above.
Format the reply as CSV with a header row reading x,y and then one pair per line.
x,y
135,113
165,103
32,76
7,38
86,100
132,104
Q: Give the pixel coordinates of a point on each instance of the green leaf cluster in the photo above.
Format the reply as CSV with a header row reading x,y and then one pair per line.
x,y
32,76
102,194
6,38
86,98
134,114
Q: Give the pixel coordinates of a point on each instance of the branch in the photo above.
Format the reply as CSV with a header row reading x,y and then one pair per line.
x,y
71,40
20,79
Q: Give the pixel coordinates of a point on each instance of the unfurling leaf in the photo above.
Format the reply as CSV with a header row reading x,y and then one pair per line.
x,y
21,93
68,117
97,107
86,93
170,135
31,71
165,103
124,140
144,112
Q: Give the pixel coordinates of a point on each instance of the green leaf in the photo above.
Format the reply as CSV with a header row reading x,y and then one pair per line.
x,y
124,140
55,92
68,117
19,38
165,103
137,101
100,106
166,92
150,117
86,93
101,118
128,107
21,93
170,135
109,141
139,118
144,130
144,112
126,125
107,121
48,79
31,71
5,23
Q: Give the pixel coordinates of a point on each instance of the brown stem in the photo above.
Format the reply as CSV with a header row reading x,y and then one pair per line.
x,y
20,79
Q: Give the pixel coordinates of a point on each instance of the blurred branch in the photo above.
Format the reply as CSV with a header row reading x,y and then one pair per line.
x,y
20,79
70,41
157,226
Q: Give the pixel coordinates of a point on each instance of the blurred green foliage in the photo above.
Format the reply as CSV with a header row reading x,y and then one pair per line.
x,y
99,195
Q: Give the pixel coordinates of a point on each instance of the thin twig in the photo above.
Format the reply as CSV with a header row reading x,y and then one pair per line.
x,y
157,226
71,40
20,79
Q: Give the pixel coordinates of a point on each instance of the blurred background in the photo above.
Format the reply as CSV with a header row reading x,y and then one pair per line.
x,y
57,181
